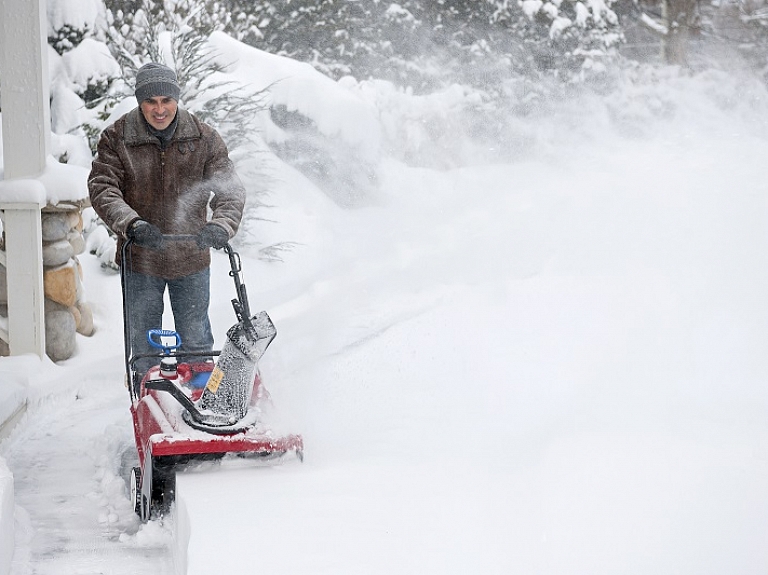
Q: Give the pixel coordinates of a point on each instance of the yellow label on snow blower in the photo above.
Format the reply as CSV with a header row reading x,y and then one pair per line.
x,y
215,380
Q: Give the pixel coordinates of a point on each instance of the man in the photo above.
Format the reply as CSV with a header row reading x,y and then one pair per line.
x,y
157,170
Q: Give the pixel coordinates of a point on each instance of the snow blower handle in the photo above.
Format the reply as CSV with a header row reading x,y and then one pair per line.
x,y
160,334
240,304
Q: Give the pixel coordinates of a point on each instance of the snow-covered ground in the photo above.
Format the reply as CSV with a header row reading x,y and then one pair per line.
x,y
554,365
531,368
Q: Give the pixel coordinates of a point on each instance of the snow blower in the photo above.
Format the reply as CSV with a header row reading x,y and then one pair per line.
x,y
189,408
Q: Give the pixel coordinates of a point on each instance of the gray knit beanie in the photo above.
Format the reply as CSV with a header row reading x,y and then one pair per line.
x,y
156,80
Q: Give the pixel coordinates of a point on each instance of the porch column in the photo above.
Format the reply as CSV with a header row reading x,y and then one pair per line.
x,y
26,123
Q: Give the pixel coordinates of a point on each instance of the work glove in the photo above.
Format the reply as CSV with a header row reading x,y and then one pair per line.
x,y
145,234
212,236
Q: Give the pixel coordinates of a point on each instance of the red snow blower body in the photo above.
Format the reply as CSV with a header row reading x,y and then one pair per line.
x,y
201,406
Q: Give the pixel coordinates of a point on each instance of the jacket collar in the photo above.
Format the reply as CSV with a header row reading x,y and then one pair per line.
x,y
137,134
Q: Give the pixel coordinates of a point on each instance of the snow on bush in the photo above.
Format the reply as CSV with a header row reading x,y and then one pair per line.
x,y
89,64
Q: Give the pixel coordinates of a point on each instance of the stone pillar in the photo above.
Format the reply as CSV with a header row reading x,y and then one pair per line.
x,y
66,311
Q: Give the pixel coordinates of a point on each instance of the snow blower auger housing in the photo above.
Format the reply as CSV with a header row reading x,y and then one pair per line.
x,y
197,406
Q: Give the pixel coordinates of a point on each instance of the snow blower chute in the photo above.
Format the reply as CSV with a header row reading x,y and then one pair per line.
x,y
189,408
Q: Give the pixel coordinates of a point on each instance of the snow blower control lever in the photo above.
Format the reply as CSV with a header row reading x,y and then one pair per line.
x,y
240,304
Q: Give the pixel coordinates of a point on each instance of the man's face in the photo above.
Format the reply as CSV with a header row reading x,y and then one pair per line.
x,y
159,111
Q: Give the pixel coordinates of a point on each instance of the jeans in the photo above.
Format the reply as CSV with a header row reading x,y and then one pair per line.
x,y
189,298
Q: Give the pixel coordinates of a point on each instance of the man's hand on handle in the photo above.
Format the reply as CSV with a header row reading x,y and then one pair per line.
x,y
146,235
212,236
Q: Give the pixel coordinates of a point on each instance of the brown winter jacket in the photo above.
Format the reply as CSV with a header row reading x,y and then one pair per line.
x,y
132,178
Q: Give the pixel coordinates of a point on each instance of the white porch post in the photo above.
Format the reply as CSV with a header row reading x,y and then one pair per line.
x,y
24,272
24,92
24,99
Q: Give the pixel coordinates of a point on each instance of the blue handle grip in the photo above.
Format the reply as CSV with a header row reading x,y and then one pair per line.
x,y
161,333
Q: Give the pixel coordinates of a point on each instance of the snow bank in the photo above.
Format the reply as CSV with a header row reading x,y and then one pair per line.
x,y
13,395
335,110
549,366
6,518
